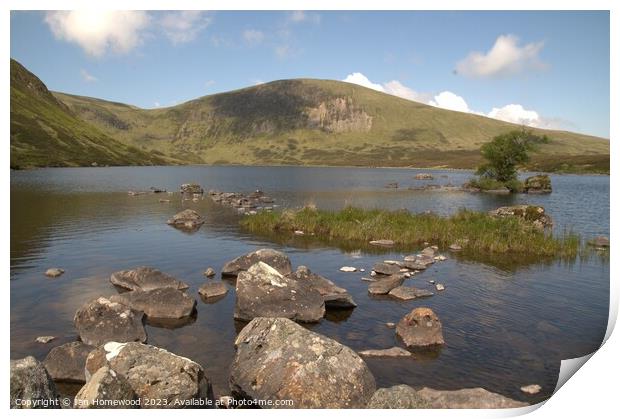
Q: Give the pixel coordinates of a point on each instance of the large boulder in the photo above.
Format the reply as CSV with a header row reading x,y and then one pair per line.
x,y
155,374
163,303
385,285
277,359
101,320
31,386
405,397
532,214
539,184
333,295
420,329
277,260
145,279
262,291
106,390
188,220
65,363
385,268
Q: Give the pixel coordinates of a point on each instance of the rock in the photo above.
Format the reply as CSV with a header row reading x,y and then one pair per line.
x,y
382,242
440,258
529,213
531,389
385,269
424,176
277,260
164,201
499,191
210,272
333,295
101,320
65,363
191,188
162,303
390,325
155,189
156,374
455,247
420,329
539,184
45,339
385,285
468,398
415,265
144,278
397,397
392,185
277,359
408,293
428,251
600,241
188,220
348,269
54,272
106,390
31,386
262,291
392,352
213,289
298,233
440,287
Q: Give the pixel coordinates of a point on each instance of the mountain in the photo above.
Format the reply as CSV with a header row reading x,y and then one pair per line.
x,y
321,122
45,132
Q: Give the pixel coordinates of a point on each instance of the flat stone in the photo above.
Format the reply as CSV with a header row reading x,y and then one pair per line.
x,y
409,293
333,295
277,260
382,242
348,269
531,389
213,289
54,272
65,363
45,339
392,352
162,303
385,285
440,287
386,269
101,320
145,278
277,359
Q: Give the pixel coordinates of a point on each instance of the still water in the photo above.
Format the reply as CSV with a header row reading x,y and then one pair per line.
x,y
507,322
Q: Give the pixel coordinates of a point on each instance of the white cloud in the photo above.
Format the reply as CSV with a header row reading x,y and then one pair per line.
x,y
362,80
451,101
185,25
396,88
87,77
99,31
253,36
516,114
302,16
505,58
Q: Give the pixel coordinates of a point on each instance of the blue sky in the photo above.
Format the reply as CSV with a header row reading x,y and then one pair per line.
x,y
545,69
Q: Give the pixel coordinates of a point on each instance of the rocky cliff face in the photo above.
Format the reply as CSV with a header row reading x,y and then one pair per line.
x,y
339,115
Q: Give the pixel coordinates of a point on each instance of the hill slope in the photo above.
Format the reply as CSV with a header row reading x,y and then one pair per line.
x,y
45,132
322,122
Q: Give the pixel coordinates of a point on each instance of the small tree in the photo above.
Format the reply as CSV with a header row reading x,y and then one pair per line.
x,y
505,152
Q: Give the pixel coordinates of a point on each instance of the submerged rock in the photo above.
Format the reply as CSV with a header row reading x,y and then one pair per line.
x,y
333,295
392,352
277,260
277,359
385,285
262,291
212,289
156,374
539,184
409,293
106,390
54,272
31,386
144,278
162,303
420,328
101,320
188,220
65,363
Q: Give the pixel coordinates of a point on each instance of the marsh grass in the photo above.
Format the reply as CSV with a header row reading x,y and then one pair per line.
x,y
474,231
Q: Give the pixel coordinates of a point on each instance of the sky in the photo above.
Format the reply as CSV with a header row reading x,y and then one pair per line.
x,y
547,69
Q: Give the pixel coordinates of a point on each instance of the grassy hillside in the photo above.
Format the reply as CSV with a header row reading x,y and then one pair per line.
x,y
45,132
323,122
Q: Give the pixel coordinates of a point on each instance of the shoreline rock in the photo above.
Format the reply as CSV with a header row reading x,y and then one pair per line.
x,y
161,303
277,260
31,383
65,363
391,352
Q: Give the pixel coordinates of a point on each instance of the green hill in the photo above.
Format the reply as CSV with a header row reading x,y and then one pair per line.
x,y
45,132
321,122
